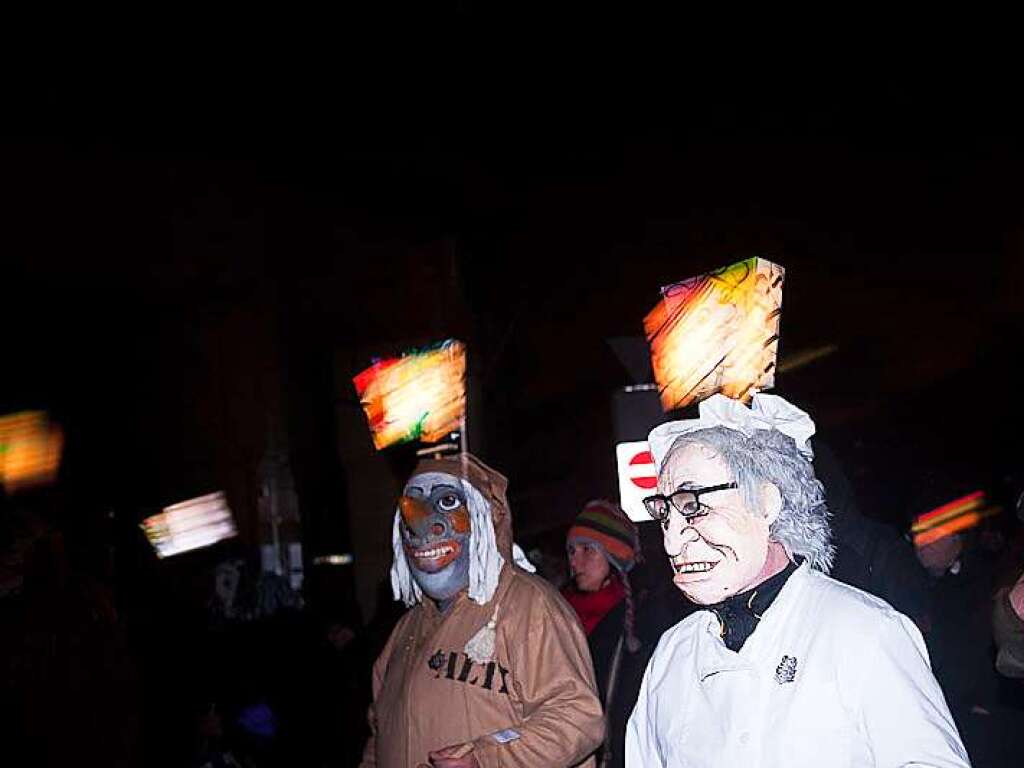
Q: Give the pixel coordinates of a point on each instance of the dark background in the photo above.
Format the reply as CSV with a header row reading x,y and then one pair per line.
x,y
194,266
189,264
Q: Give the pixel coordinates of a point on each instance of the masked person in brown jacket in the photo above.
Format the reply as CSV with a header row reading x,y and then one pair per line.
x,y
490,666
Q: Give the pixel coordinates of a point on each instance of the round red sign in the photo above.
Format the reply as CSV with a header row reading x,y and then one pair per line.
x,y
642,471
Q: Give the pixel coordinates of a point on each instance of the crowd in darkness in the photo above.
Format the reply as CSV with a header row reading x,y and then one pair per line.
x,y
112,659
194,271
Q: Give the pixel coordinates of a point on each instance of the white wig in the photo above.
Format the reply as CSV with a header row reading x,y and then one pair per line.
x,y
767,442
485,561
769,456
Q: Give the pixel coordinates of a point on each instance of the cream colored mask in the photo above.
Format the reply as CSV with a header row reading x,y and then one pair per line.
x,y
716,540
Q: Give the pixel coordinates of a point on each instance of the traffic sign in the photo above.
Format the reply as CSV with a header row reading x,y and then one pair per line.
x,y
637,478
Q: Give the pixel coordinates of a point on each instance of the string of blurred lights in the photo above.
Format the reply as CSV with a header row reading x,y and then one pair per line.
x,y
952,517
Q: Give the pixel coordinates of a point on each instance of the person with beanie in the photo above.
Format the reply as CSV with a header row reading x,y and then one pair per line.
x,y
602,546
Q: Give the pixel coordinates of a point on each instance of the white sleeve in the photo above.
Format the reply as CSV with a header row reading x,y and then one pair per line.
x,y
903,711
641,739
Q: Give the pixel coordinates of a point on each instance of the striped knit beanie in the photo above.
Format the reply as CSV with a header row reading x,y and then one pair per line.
x,y
605,524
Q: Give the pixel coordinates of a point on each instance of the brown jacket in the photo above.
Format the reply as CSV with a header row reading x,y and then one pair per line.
x,y
427,694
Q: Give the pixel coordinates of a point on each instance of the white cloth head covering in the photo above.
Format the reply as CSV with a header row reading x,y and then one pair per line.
x,y
765,412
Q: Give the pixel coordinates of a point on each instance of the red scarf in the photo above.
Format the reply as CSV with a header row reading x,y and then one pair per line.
x,y
591,607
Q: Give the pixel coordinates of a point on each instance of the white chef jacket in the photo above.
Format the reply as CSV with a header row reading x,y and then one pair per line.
x,y
831,677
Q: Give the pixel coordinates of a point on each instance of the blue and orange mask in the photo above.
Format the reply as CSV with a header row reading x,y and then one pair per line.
x,y
435,531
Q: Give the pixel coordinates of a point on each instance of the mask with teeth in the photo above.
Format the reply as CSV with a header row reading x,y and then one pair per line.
x,y
435,529
722,547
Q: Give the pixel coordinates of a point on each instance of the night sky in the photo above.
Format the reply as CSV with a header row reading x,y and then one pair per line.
x,y
188,265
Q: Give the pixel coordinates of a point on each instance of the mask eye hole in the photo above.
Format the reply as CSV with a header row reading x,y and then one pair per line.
x,y
449,502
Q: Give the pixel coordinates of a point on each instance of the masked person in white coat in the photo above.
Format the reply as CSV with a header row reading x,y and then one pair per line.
x,y
785,666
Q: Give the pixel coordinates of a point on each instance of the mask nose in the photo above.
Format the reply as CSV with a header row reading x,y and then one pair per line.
x,y
422,520
678,536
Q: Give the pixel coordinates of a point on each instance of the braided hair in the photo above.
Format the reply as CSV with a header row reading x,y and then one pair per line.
x,y
605,525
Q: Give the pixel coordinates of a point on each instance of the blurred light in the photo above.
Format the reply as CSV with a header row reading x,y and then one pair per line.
x,y
806,357
345,559
30,450
190,525
953,517
717,333
420,396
